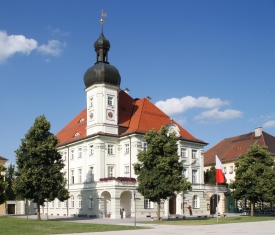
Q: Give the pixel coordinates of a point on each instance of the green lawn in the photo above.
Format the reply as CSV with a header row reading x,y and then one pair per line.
x,y
209,221
16,226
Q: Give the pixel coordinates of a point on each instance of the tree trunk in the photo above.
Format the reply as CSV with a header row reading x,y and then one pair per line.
x,y
252,208
158,209
38,211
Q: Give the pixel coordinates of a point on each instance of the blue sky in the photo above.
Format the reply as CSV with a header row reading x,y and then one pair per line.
x,y
210,64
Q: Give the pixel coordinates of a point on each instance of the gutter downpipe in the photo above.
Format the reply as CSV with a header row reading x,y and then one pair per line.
x,y
68,180
130,145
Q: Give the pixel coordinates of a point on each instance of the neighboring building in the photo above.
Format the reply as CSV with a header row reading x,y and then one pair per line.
x,y
100,145
2,206
228,151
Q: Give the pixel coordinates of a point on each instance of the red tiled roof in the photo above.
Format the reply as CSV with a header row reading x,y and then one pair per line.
x,y
135,115
229,149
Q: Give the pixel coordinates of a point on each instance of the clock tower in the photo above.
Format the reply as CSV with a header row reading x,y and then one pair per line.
x,y
102,83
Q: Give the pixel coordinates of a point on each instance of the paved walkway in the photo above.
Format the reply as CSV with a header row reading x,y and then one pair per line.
x,y
251,228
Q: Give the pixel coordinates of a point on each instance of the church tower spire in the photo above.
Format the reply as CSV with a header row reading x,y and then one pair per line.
x,y
102,83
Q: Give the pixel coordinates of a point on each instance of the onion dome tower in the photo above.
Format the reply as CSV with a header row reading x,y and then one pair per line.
x,y
102,83
102,71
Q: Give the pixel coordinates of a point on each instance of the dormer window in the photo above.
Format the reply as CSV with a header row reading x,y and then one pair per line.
x,y
76,134
81,120
110,101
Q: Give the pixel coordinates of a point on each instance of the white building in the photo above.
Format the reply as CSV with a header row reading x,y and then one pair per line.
x,y
101,143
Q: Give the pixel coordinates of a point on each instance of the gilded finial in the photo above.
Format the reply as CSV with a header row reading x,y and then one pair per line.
x,y
103,15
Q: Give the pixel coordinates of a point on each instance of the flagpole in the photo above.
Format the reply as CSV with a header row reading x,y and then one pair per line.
x,y
217,202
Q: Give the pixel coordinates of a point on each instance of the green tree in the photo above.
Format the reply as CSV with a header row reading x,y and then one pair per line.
x,y
159,172
255,176
39,175
10,177
210,175
3,185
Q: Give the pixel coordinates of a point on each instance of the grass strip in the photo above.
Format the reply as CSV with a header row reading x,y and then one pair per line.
x,y
15,226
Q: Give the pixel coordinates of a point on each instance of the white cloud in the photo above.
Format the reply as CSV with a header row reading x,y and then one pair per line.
x,y
181,120
175,105
219,115
269,124
9,45
52,48
58,31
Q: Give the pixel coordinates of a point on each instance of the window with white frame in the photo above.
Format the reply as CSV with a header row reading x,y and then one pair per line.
x,y
196,201
80,153
72,176
183,152
72,155
110,101
110,149
34,205
91,174
144,146
66,203
58,204
111,171
127,148
194,176
147,204
79,175
91,102
224,170
65,156
72,201
79,201
230,169
126,171
194,153
91,150
52,204
65,175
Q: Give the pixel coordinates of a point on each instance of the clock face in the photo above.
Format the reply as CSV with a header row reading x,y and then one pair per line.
x,y
110,114
91,116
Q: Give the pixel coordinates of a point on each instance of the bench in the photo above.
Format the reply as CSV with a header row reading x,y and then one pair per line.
x,y
202,216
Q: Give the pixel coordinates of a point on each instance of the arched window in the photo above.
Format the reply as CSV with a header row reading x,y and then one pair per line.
x,y
196,201
72,201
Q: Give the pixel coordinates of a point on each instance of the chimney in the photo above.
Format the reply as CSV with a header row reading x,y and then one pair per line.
x,y
258,131
148,98
127,91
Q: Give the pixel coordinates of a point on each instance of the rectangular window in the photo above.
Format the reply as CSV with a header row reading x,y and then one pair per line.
x,y
231,170
194,153
65,156
110,171
72,201
80,153
126,171
183,152
79,175
58,204
52,204
194,176
110,149
127,148
72,176
147,204
184,172
34,205
91,150
110,101
72,155
66,204
91,102
224,170
79,202
91,203
144,146
91,174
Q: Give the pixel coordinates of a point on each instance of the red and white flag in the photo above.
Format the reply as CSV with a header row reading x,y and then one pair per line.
x,y
219,169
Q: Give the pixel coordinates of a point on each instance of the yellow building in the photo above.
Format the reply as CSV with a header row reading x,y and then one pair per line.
x,y
2,206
